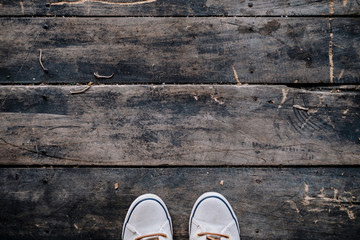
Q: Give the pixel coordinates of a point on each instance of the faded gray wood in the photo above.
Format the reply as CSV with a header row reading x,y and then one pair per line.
x,y
346,67
179,125
71,203
179,8
180,50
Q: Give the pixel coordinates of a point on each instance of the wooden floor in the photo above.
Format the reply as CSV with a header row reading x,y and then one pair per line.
x,y
257,100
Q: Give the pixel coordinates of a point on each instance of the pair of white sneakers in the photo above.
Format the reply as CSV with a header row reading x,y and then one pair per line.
x,y
212,218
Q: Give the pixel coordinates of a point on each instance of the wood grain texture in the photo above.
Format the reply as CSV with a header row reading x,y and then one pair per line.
x,y
70,203
346,61
179,50
178,125
179,8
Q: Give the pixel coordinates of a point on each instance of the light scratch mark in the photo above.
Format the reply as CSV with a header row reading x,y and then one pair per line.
x,y
216,100
307,199
331,56
340,202
344,2
306,121
338,45
316,210
301,107
284,92
331,60
293,206
336,192
350,214
236,75
227,26
331,6
330,122
341,74
22,7
351,195
103,2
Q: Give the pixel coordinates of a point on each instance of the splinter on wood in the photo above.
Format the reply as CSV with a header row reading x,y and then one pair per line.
x,y
41,64
300,107
82,90
102,77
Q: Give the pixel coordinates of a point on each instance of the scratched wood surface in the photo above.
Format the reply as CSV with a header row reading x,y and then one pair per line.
x,y
179,8
270,203
345,68
180,50
178,126
287,157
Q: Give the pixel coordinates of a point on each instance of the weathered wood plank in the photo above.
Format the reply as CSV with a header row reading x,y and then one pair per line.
x,y
178,125
346,61
290,203
178,50
179,8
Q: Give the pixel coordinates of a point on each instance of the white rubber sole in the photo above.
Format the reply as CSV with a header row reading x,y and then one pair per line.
x,y
209,195
141,198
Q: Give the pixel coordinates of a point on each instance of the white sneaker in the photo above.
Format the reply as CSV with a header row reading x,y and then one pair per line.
x,y
147,218
212,218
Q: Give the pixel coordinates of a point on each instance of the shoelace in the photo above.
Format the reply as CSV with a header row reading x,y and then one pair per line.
x,y
155,235
213,236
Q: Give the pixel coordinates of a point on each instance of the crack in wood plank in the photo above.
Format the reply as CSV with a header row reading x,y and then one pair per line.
x,y
331,55
42,153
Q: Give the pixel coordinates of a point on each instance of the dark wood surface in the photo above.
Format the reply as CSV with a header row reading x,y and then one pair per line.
x,y
286,157
179,125
270,203
180,50
179,8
